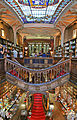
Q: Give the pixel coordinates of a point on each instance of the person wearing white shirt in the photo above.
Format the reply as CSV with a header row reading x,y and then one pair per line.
x,y
15,53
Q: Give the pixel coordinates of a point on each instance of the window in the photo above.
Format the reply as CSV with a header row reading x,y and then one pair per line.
x,y
2,32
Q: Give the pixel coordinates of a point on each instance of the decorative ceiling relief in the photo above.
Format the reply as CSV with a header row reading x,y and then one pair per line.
x,y
38,11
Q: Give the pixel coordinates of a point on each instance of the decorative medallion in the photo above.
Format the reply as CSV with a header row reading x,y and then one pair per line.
x,y
38,3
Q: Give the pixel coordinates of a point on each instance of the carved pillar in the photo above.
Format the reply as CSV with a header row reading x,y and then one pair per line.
x,y
62,36
13,69
66,67
54,42
46,77
26,76
15,39
62,40
51,74
30,78
59,70
40,77
22,74
54,73
34,77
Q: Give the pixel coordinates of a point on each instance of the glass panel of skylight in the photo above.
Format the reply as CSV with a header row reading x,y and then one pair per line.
x,y
28,19
38,12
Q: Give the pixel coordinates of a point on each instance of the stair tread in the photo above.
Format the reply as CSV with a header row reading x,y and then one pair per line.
x,y
37,109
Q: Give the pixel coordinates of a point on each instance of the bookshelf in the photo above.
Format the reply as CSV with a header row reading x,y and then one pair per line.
x,y
58,51
10,45
66,49
69,46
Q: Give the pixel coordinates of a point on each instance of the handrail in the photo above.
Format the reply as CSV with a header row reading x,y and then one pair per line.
x,y
32,70
15,61
40,87
46,108
37,76
29,107
45,83
61,60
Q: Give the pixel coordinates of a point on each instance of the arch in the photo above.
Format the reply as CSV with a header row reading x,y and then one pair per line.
x,y
5,4
73,2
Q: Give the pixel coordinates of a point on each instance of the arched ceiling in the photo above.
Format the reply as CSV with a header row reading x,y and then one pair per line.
x,y
38,11
9,12
43,32
9,16
68,17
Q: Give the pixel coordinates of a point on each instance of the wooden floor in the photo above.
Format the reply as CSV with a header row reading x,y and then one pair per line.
x,y
57,112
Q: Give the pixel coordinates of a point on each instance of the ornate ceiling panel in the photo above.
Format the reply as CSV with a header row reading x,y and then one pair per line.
x,y
9,17
38,11
68,17
43,32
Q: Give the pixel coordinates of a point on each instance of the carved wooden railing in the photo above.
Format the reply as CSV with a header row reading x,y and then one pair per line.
x,y
46,107
40,80
37,76
2,68
73,73
2,60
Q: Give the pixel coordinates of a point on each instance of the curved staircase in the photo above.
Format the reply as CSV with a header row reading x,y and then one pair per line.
x,y
37,81
37,109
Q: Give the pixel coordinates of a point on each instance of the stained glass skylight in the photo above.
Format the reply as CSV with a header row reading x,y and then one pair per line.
x,y
36,11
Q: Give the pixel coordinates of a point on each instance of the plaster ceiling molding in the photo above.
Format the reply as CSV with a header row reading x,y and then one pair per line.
x,y
34,11
39,32
7,15
69,16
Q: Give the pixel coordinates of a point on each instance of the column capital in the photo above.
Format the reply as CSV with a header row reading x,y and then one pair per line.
x,y
14,28
63,29
54,36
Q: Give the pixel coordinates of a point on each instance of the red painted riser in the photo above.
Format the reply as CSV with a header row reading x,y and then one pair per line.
x,y
37,110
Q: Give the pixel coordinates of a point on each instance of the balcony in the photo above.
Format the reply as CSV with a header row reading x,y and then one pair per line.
x,y
38,62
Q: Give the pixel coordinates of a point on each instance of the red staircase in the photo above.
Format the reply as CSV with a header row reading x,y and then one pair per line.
x,y
37,109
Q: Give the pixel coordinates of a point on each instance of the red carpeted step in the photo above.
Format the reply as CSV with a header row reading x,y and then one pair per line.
x,y
37,110
39,117
36,114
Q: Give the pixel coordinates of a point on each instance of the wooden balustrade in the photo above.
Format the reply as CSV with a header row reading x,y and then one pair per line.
x,y
2,64
73,75
2,68
37,76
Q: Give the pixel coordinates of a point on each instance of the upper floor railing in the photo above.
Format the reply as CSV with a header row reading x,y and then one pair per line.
x,y
37,76
38,62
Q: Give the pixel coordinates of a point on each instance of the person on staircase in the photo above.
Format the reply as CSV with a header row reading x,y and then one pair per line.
x,y
1,51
